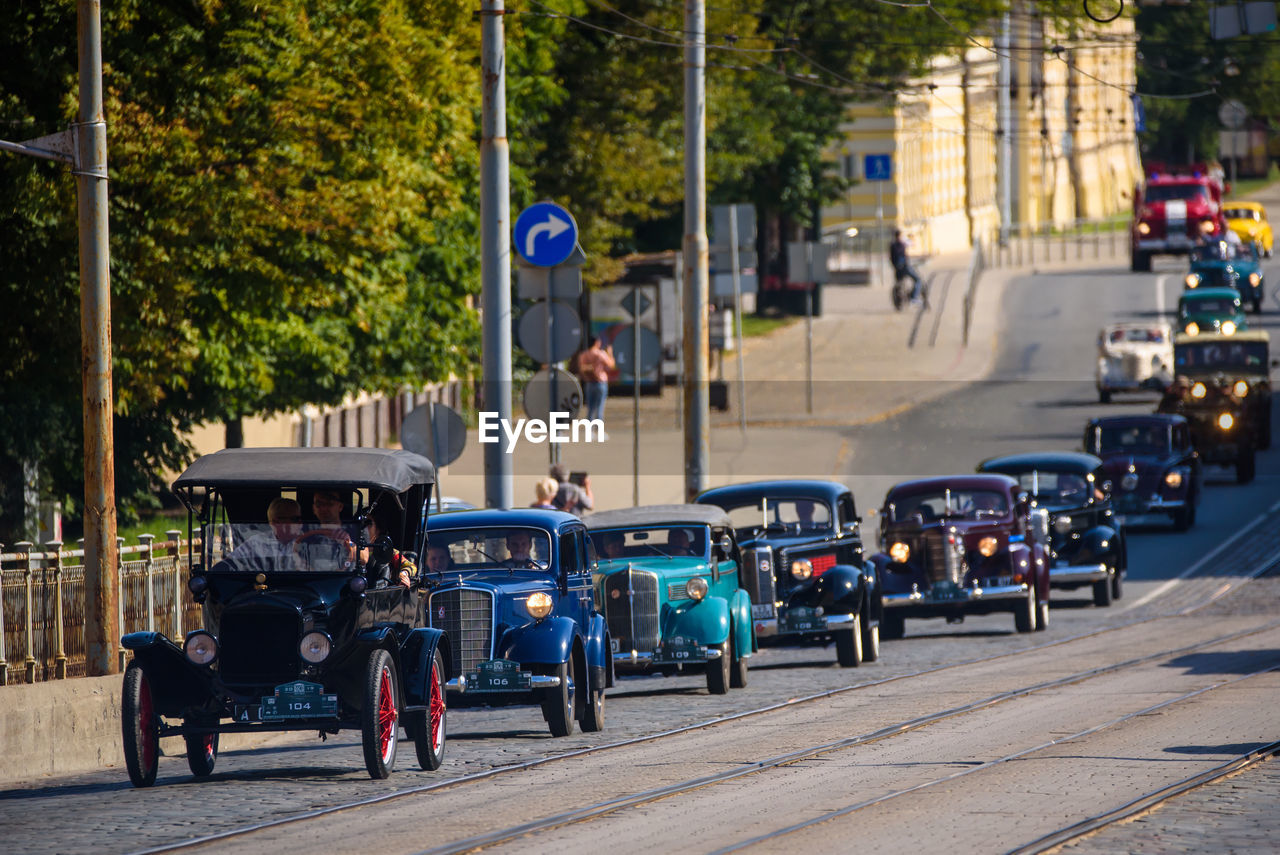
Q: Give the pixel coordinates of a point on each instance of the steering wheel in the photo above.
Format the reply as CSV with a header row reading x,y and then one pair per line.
x,y
339,542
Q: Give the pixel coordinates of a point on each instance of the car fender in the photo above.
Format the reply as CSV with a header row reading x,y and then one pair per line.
x,y
544,642
599,656
874,600
1099,543
176,682
705,621
416,656
744,629
840,590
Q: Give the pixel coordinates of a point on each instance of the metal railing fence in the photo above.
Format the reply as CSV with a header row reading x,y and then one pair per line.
x,y
1024,246
42,614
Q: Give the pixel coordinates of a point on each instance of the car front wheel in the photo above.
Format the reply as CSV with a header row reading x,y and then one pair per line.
x,y
592,720
558,701
738,671
1102,592
870,640
718,671
849,645
379,721
428,726
202,753
141,727
1024,614
892,627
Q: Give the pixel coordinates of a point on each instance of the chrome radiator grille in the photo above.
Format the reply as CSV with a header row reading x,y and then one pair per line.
x,y
757,574
466,616
631,609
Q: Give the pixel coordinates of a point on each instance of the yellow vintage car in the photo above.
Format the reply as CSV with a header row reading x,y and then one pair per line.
x,y
1249,221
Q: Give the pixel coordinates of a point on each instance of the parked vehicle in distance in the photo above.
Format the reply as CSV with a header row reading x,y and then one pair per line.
x,y
1132,357
1249,221
513,591
803,564
1150,464
1222,386
305,627
961,545
1221,264
1211,310
1086,542
669,585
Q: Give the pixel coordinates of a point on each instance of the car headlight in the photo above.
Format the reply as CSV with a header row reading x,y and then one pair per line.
x,y
201,647
900,552
696,588
1228,328
988,546
1129,481
1144,229
315,647
538,605
1241,388
1225,421
1207,226
1198,391
1173,479
1254,279
1193,328
1192,280
802,569
1062,524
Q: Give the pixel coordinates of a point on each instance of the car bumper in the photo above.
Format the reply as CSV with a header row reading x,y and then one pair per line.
x,y
640,658
769,628
538,681
1152,505
963,596
1176,243
1073,574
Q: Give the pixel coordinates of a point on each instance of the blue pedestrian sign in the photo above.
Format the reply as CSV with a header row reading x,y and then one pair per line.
x,y
877,167
545,234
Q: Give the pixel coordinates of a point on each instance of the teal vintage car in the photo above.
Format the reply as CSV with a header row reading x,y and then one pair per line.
x,y
1220,264
668,584
1211,310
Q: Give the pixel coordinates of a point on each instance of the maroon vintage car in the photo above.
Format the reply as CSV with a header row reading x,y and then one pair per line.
x,y
1151,464
961,545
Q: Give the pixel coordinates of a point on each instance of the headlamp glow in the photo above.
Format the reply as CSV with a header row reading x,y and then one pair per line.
x,y
988,546
538,605
696,588
900,552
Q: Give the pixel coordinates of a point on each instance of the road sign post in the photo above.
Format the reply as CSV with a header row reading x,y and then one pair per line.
x,y
878,168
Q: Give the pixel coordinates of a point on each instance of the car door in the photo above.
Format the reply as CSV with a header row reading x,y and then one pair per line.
x,y
577,575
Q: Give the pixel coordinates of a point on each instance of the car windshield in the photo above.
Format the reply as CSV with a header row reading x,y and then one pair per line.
x,y
1217,354
1242,214
783,514
463,550
1131,439
1055,488
1169,192
964,504
1140,335
285,545
673,542
1208,306
1217,251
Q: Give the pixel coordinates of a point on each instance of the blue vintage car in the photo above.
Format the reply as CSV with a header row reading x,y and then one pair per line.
x,y
1227,265
1086,541
512,589
668,582
803,565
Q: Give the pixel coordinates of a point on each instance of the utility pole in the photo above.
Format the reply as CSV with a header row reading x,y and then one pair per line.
x,y
697,396
84,148
495,248
1004,128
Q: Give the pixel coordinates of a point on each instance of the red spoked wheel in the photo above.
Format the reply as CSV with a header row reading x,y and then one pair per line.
x,y
380,724
202,753
140,727
429,725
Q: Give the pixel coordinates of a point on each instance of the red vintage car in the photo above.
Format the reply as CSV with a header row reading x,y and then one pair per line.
x,y
962,545
1176,209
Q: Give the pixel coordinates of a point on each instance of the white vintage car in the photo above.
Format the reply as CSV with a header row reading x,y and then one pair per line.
x,y
1134,356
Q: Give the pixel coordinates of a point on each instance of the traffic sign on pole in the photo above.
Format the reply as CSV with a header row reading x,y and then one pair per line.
x,y
877,167
435,431
553,391
550,331
545,234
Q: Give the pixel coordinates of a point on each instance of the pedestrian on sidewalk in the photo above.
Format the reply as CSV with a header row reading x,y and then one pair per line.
x,y
902,265
572,498
594,365
544,493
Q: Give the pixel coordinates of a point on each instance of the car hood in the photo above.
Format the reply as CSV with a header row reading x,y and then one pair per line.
x,y
676,566
785,541
499,582
1149,468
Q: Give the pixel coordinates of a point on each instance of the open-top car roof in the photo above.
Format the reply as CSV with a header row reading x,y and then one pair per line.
x,y
659,515
379,468
1049,461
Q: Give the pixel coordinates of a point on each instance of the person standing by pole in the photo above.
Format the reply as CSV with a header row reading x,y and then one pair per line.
x,y
594,365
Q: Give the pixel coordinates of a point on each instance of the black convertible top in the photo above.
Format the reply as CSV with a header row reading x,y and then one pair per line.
x,y
658,515
380,468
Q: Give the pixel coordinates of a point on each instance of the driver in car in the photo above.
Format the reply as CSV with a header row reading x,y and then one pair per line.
x,y
272,551
679,542
519,545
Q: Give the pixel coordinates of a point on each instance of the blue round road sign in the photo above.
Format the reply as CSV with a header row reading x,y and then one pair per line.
x,y
545,234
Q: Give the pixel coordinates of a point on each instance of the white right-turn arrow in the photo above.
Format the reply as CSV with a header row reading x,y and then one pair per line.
x,y
552,227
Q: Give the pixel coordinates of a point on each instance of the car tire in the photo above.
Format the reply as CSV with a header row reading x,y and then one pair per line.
x,y
558,702
870,640
140,727
849,645
1117,585
1256,305
738,672
429,726
1024,613
592,718
718,671
1246,464
1140,262
1042,615
892,627
1264,431
380,718
202,753
1102,592
1104,396
1183,517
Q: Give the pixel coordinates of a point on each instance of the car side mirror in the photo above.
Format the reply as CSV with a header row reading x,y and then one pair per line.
x,y
726,546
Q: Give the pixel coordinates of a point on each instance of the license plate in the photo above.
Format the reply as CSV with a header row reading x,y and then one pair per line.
x,y
499,675
247,712
948,592
299,699
800,619
759,611
681,649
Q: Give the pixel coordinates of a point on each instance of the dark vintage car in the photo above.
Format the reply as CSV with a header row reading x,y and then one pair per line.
x,y
1150,464
513,591
668,582
1087,546
306,624
961,545
803,564
1222,386
1223,264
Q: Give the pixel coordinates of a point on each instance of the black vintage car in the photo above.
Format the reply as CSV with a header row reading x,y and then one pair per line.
x,y
803,564
1150,464
1222,385
1086,542
309,623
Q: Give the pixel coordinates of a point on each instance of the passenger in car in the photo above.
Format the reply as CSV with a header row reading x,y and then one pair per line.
x,y
611,544
384,561
274,551
679,542
438,559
